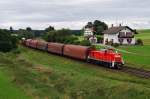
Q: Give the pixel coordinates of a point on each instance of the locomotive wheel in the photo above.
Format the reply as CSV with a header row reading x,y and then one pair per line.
x,y
116,66
113,65
88,60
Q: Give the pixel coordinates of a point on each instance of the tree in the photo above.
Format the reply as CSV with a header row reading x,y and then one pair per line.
x,y
11,29
89,25
99,27
62,36
50,28
29,29
7,42
25,34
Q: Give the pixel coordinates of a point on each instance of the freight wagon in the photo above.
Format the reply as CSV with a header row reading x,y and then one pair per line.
x,y
107,57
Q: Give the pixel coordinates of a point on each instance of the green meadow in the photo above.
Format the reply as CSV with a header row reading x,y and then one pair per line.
x,y
40,75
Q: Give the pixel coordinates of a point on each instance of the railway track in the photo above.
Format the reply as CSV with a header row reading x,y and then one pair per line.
x,y
129,70
136,72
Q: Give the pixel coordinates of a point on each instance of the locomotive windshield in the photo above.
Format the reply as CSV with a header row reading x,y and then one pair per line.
x,y
107,50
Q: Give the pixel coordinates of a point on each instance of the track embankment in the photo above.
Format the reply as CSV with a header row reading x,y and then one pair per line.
x,y
136,72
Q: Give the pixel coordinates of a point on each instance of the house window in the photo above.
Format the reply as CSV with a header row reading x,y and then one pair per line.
x,y
106,41
129,34
112,41
129,40
122,34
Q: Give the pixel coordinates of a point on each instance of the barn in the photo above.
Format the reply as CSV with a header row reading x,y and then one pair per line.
x,y
119,34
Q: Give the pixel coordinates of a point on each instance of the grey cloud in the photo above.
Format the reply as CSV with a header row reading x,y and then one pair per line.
x,y
21,12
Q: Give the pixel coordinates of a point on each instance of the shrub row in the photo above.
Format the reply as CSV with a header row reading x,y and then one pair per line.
x,y
7,41
64,36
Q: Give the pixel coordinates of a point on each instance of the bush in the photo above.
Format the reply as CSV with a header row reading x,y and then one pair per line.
x,y
61,36
115,45
139,42
85,43
7,42
100,39
5,46
76,42
16,51
25,34
70,40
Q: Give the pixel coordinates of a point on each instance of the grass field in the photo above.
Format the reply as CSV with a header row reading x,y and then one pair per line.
x,y
44,76
144,35
139,56
9,90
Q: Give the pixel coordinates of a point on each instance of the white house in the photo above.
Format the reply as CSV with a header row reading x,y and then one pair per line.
x,y
89,35
88,32
121,35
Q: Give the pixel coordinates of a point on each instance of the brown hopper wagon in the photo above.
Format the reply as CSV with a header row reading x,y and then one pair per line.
x,y
27,42
56,48
33,43
41,45
76,51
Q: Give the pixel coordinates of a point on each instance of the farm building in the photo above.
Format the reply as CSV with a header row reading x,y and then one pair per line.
x,y
120,34
89,35
93,39
88,32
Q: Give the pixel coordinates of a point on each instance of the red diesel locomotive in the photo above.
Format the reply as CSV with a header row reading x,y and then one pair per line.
x,y
106,57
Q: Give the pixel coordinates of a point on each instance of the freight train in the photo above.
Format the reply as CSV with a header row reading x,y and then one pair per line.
x,y
105,57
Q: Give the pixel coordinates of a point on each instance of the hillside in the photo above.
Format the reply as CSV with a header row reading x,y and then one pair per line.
x,y
144,35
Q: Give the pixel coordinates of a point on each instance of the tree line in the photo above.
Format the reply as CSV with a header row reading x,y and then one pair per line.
x,y
9,38
8,41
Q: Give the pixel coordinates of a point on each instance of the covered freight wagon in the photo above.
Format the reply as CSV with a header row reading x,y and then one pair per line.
x,y
27,42
42,45
76,51
56,48
33,43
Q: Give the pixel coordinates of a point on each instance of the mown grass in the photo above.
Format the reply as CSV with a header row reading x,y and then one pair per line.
x,y
144,35
139,56
45,76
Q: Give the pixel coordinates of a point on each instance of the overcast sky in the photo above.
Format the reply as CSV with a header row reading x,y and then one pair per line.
x,y
73,14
